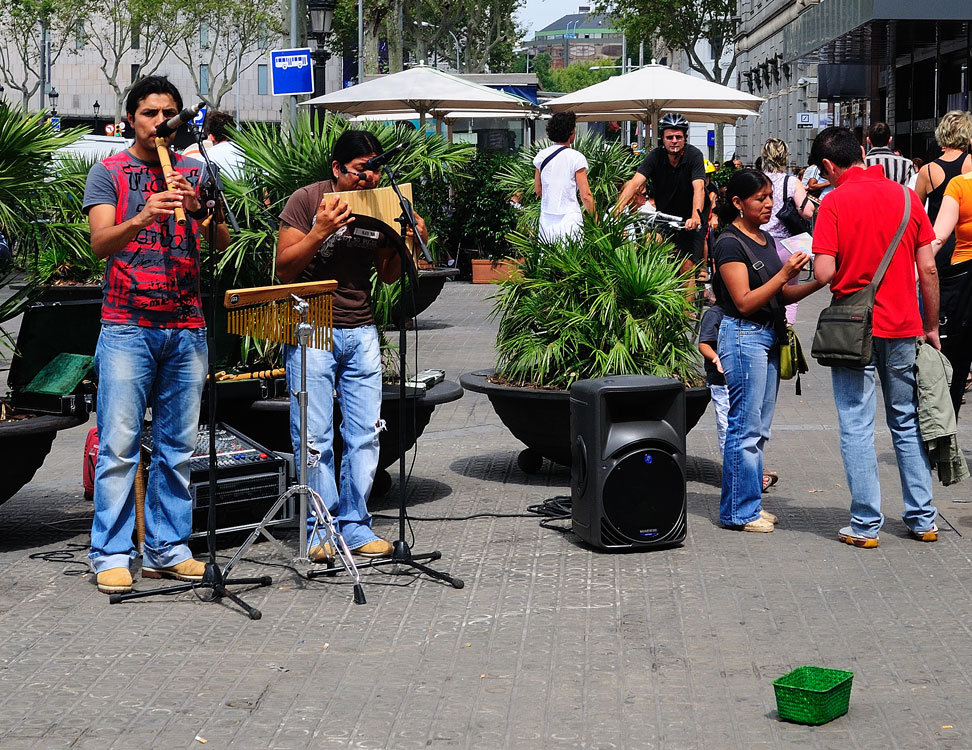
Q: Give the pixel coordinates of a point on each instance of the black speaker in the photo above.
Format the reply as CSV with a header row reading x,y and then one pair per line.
x,y
627,477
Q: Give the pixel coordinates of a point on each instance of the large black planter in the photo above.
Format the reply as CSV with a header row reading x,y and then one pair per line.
x,y
540,419
24,444
268,423
431,281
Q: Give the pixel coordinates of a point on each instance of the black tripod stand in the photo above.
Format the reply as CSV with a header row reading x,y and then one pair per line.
x,y
401,554
214,199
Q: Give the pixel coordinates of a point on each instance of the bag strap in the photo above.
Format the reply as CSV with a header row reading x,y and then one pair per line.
x,y
549,157
759,267
786,179
886,260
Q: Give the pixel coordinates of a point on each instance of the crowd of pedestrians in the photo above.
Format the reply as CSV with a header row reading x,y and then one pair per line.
x,y
845,209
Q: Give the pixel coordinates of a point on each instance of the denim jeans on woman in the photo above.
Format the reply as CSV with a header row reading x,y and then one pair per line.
x,y
750,359
138,366
854,393
353,369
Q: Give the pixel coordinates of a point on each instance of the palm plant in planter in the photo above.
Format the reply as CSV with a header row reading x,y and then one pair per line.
x,y
602,303
27,189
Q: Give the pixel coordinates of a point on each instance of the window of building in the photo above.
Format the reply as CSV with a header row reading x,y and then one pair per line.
x,y
263,40
204,35
204,80
136,35
262,80
79,36
135,70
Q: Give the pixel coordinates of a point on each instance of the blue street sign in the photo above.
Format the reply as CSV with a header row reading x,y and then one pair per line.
x,y
199,119
291,72
55,123
710,141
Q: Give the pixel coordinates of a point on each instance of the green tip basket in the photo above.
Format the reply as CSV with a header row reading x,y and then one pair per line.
x,y
813,695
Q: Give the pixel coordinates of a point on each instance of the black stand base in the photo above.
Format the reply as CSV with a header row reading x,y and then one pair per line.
x,y
402,556
212,580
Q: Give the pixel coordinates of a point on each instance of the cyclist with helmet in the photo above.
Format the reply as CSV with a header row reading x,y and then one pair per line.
x,y
677,173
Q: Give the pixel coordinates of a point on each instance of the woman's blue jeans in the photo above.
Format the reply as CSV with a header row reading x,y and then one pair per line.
x,y
854,393
751,361
353,370
138,366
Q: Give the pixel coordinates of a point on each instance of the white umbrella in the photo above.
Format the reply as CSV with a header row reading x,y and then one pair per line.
x,y
651,90
724,116
420,90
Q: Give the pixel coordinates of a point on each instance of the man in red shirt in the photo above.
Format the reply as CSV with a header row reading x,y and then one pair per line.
x,y
855,224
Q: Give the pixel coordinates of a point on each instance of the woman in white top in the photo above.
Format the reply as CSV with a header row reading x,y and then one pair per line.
x,y
561,172
775,160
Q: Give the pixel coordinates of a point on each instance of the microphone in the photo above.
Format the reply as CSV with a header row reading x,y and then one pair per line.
x,y
168,127
375,162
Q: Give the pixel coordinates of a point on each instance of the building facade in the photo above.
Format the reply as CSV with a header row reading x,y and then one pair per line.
x,y
577,37
853,63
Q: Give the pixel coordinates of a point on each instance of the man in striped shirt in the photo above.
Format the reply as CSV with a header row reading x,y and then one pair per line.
x,y
897,168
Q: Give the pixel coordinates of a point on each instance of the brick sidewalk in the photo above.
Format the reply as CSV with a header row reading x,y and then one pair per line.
x,y
548,645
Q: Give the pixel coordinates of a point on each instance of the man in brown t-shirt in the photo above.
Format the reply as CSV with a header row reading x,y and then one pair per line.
x,y
319,240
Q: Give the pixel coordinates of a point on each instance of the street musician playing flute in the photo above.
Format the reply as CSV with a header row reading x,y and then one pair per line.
x,y
152,347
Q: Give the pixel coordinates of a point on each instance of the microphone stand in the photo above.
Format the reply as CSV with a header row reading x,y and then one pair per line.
x,y
401,553
214,200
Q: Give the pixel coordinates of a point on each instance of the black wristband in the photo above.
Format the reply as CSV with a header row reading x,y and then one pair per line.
x,y
202,213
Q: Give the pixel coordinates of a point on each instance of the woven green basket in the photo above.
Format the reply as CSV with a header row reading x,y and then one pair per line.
x,y
813,695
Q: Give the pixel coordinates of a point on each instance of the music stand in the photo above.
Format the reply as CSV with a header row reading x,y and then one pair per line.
x,y
402,554
213,578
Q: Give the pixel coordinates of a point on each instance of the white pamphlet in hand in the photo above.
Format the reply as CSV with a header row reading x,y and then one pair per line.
x,y
802,242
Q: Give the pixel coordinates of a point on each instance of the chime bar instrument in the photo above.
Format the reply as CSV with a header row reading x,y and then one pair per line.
x,y
268,313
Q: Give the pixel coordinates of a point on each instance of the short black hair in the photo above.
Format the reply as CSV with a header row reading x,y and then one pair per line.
x,y
148,86
216,124
839,145
879,134
354,143
560,127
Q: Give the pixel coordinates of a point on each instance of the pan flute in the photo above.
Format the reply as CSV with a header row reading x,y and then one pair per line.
x,y
267,312
381,204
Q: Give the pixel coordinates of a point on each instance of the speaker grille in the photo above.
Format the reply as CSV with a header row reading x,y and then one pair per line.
x,y
643,497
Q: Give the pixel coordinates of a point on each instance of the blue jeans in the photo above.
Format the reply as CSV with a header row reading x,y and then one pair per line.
x,y
137,366
894,361
751,361
353,369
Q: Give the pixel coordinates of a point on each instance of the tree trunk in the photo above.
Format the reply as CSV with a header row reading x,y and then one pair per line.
x,y
393,35
370,51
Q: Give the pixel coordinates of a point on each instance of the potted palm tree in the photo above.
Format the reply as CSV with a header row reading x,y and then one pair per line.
x,y
604,302
33,202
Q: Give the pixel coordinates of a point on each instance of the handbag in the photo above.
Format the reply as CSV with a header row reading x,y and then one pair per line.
x,y
844,328
793,363
789,214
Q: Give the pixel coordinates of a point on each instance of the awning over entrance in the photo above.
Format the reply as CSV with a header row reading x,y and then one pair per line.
x,y
855,31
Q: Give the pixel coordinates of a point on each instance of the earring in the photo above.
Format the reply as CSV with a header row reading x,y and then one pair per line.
x,y
740,213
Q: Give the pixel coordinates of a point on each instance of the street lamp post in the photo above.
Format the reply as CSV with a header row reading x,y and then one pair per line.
x,y
97,109
454,39
321,19
52,95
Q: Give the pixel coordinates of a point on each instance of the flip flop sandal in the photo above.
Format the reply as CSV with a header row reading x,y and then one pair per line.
x,y
769,479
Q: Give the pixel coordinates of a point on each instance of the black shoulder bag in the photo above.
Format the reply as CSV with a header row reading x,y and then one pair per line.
x,y
844,328
789,214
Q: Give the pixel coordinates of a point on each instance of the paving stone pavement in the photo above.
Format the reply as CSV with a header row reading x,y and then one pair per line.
x,y
548,645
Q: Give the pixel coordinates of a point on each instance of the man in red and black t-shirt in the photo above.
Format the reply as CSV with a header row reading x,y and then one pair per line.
x,y
855,225
152,347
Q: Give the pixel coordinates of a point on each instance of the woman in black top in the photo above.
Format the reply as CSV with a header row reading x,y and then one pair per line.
x,y
752,289
953,133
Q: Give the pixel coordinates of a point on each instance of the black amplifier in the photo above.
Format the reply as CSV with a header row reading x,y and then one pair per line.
x,y
249,479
